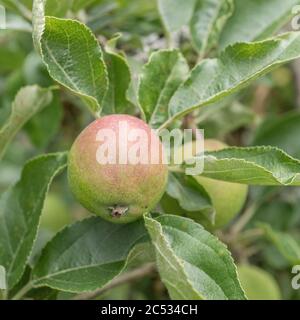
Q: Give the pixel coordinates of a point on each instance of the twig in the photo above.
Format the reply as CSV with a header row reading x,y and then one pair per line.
x,y
19,295
251,234
147,269
22,9
249,213
242,238
261,96
244,219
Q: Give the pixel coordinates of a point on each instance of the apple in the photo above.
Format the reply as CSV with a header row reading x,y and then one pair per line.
x,y
110,168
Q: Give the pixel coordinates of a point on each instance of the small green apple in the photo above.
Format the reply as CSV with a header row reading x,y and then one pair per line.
x,y
258,284
227,198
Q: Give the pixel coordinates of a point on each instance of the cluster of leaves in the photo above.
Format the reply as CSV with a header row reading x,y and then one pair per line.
x,y
201,64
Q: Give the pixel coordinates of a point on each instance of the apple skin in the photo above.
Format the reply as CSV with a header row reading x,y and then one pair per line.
x,y
257,283
119,193
227,198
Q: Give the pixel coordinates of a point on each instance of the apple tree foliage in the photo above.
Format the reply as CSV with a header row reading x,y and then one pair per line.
x,y
164,60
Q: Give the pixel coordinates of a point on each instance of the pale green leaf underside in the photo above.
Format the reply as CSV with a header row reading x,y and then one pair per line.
x,y
256,19
160,78
2,279
28,101
38,22
208,21
192,263
237,66
253,166
74,59
20,209
176,13
87,255
285,244
41,8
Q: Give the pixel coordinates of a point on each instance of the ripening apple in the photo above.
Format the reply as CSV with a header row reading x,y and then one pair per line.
x,y
111,171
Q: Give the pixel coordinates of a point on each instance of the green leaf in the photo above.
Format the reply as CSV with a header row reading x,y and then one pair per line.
x,y
58,8
115,100
285,243
221,118
2,278
87,255
29,101
45,125
176,13
208,21
74,59
256,19
192,263
43,294
41,8
141,254
160,78
20,210
81,4
282,132
253,166
237,66
191,196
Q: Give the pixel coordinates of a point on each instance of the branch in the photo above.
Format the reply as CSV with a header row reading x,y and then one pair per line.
x,y
145,270
19,295
243,220
23,11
